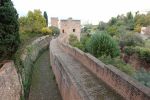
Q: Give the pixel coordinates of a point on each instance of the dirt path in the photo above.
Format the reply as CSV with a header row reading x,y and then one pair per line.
x,y
43,85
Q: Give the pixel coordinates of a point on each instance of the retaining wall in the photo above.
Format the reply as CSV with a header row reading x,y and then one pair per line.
x,y
10,86
123,84
29,56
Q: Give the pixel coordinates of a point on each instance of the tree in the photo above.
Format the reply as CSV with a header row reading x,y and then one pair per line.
x,y
101,44
55,30
112,21
46,17
102,26
112,30
23,21
9,29
129,21
36,21
33,22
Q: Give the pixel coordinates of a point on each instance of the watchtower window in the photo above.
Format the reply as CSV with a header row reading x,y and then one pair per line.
x,y
74,30
63,31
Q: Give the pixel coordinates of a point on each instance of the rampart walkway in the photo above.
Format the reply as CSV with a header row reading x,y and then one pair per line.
x,y
93,88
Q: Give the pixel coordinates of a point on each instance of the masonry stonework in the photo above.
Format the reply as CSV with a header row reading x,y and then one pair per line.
x,y
54,21
67,26
70,26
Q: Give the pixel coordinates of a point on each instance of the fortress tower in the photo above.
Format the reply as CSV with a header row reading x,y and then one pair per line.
x,y
54,21
70,26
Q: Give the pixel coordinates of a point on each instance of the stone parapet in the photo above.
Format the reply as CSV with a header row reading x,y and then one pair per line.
x,y
10,85
123,84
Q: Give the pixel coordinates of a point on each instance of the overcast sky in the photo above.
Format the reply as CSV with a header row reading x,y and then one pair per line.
x,y
91,11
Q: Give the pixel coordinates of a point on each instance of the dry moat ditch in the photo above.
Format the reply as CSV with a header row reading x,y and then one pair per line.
x,y
43,84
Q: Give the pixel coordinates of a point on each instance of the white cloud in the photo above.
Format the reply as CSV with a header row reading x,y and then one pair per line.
x,y
86,10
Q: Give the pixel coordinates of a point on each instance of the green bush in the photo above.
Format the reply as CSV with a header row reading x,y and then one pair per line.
x,y
55,30
9,30
143,77
102,44
113,31
75,42
141,52
84,41
118,63
147,43
129,50
131,39
46,31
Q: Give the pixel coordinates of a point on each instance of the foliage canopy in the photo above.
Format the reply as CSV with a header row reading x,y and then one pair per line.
x,y
9,30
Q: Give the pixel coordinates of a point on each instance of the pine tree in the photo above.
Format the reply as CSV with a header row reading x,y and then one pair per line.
x,y
9,29
46,17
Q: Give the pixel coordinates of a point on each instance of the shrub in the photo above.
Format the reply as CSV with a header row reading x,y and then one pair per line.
x,y
129,50
46,31
141,52
55,30
84,41
102,44
112,30
131,39
147,43
9,30
75,42
143,77
118,63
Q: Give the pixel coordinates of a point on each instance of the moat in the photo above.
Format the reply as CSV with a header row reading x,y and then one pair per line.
x,y
43,84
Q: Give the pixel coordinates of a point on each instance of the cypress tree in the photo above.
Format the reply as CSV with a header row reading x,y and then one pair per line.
x,y
46,17
9,29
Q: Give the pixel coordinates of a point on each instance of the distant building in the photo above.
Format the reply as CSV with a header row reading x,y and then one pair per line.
x,y
68,26
145,30
54,21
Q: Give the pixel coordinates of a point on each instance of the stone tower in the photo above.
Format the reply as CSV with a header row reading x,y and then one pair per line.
x,y
70,26
54,21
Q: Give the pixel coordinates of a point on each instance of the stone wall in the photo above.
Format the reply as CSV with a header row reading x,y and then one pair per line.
x,y
28,58
54,21
70,26
123,84
10,86
69,88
